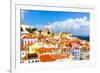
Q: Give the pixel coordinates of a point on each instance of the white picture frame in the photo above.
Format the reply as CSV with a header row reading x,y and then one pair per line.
x,y
16,66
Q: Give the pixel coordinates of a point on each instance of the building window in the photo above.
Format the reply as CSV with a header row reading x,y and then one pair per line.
x,y
32,61
23,53
36,61
29,61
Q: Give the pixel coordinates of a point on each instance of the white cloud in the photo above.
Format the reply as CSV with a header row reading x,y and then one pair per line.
x,y
69,23
81,24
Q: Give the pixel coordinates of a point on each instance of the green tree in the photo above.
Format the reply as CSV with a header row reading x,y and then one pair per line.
x,y
21,29
31,29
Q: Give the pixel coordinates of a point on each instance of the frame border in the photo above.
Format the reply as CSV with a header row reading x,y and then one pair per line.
x,y
11,64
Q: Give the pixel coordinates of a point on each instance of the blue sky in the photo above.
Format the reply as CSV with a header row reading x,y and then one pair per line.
x,y
57,21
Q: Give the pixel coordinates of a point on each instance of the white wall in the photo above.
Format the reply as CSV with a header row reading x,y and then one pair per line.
x,y
5,36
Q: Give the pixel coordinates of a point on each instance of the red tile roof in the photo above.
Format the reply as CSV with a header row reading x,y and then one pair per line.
x,y
47,58
42,50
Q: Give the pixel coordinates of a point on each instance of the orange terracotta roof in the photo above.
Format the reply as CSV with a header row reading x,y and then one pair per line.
x,y
41,37
42,50
29,44
24,58
86,47
47,58
24,48
28,36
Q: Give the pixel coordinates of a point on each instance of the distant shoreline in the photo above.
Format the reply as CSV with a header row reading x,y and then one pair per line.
x,y
87,38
